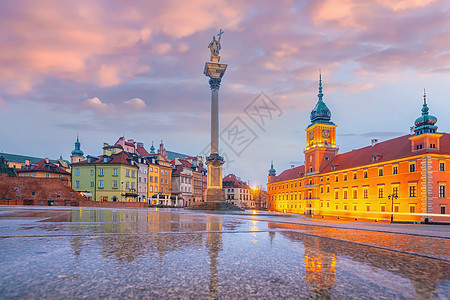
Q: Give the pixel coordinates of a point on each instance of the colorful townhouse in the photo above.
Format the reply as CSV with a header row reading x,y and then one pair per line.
x,y
402,179
44,169
238,192
110,177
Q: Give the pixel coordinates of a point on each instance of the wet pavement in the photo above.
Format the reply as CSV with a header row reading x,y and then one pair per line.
x,y
75,253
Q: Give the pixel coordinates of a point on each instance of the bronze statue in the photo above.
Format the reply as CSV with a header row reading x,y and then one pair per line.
x,y
214,45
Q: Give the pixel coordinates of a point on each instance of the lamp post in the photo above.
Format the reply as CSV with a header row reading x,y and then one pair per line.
x,y
392,197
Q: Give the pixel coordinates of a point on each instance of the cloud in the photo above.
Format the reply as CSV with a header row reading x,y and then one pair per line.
x,y
135,104
96,105
99,107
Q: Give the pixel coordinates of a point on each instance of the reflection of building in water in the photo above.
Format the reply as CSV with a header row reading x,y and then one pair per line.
x,y
319,268
322,255
213,246
145,224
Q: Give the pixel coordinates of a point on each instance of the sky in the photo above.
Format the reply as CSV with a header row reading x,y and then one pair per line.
x,y
105,69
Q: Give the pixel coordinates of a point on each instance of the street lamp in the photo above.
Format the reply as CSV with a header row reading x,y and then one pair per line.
x,y
392,197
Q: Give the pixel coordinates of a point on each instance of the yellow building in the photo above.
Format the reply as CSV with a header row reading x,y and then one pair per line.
x,y
402,179
44,169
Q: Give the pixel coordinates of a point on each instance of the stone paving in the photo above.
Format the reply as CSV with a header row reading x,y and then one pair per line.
x,y
74,253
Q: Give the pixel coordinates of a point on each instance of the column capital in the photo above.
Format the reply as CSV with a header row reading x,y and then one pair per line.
x,y
214,83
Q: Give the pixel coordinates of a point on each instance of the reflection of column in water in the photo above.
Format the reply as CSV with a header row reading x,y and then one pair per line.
x,y
214,246
319,269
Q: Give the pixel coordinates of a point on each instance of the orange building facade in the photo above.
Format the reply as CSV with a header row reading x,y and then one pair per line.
x,y
402,179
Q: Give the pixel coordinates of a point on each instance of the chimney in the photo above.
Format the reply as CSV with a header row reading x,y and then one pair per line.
x,y
411,130
292,166
374,142
47,160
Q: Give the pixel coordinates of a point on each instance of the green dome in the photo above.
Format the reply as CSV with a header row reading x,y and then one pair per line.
x,y
320,114
425,123
77,151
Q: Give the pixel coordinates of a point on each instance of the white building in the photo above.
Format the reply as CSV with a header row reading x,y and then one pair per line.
x,y
238,192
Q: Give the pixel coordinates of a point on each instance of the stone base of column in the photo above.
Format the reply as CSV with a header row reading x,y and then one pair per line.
x,y
214,195
215,200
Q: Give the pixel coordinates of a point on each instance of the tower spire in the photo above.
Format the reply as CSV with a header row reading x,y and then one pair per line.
x,y
320,95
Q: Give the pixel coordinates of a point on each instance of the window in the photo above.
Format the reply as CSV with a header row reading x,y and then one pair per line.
x,y
354,175
412,191
114,184
337,178
355,207
412,209
441,166
345,194
336,195
92,184
114,172
127,185
150,189
383,208
380,172
321,189
156,179
100,172
162,180
345,177
396,208
380,192
395,191
167,181
150,179
92,172
412,167
328,189
77,172
366,193
395,170
156,170
167,173
355,194
100,183
365,174
156,189
345,207
328,204
132,185
77,184
127,173
442,210
368,207
442,191
151,169
47,175
133,174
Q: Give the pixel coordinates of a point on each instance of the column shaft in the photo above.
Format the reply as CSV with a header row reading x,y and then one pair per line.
x,y
214,121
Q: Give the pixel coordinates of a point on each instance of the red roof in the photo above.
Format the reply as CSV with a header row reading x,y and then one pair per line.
x,y
384,151
141,151
290,174
233,181
119,158
43,166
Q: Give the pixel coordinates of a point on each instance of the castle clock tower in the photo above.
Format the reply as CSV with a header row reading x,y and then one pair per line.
x,y
320,137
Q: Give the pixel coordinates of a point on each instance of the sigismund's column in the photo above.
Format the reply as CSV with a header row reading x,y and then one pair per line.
x,y
215,71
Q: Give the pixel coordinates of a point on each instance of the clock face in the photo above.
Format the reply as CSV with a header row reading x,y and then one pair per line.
x,y
311,135
326,134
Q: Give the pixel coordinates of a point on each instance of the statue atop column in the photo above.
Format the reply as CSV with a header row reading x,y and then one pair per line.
x,y
215,46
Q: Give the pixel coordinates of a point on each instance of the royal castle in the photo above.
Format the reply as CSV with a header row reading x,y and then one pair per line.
x,y
402,179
